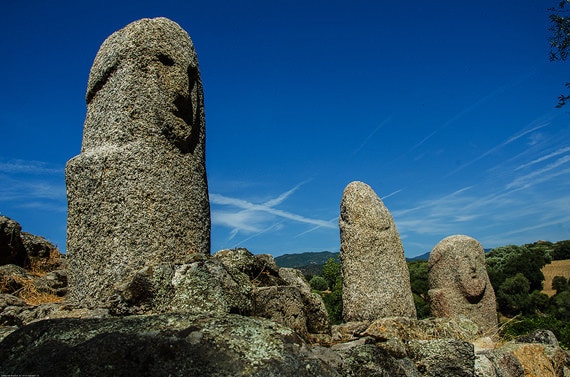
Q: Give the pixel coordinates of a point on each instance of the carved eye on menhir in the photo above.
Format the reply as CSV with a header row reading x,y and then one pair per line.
x,y
166,60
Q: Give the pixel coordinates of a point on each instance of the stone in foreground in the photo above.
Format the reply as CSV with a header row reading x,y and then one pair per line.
x,y
137,193
376,281
160,345
459,284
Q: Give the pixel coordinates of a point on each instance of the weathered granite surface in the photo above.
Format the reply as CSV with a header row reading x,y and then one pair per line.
x,y
137,193
376,281
459,284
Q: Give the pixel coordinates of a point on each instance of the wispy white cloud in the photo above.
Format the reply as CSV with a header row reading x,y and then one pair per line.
x,y
472,107
244,204
544,158
251,216
45,206
510,140
539,225
539,175
29,167
275,226
245,221
392,194
14,190
433,203
381,125
333,221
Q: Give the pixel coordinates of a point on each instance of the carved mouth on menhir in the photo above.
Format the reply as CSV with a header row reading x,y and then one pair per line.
x,y
183,109
184,135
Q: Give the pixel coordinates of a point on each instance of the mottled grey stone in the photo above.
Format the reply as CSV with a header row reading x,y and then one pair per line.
x,y
12,249
137,193
497,363
376,281
202,285
261,272
442,357
459,284
539,336
369,360
171,344
36,246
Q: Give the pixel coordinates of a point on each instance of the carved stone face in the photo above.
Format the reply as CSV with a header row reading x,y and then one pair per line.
x,y
472,275
144,84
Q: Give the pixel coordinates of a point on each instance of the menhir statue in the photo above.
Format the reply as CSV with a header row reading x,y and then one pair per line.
x,y
459,284
376,281
137,193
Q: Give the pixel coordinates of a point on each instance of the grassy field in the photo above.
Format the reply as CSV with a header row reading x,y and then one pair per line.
x,y
556,268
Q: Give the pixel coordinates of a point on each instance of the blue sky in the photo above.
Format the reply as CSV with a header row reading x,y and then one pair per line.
x,y
445,108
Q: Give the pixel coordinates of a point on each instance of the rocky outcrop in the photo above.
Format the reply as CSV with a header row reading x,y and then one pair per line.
x,y
232,281
25,249
160,345
137,193
12,250
29,290
376,281
213,344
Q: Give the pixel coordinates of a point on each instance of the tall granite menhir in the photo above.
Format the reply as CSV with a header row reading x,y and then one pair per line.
x,y
376,281
137,193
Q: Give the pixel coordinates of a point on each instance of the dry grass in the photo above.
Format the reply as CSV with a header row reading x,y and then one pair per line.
x,y
31,296
25,289
41,266
556,268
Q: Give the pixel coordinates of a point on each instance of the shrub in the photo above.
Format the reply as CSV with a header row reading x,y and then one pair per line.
x,y
559,283
525,325
318,283
333,302
331,272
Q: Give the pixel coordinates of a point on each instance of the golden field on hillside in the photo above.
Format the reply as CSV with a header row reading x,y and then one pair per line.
x,y
556,268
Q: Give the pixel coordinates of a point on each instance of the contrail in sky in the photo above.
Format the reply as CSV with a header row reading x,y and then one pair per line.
x,y
543,158
494,149
470,108
392,194
384,122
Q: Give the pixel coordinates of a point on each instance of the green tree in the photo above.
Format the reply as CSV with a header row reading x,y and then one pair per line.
x,y
513,295
420,286
560,306
537,301
560,40
318,283
561,250
331,272
331,280
423,310
419,278
559,284
333,302
507,261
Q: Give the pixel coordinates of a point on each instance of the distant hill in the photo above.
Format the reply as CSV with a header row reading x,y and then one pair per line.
x,y
424,256
305,259
320,258
311,263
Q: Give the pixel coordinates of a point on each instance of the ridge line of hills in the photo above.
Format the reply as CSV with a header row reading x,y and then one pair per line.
x,y
321,257
311,263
